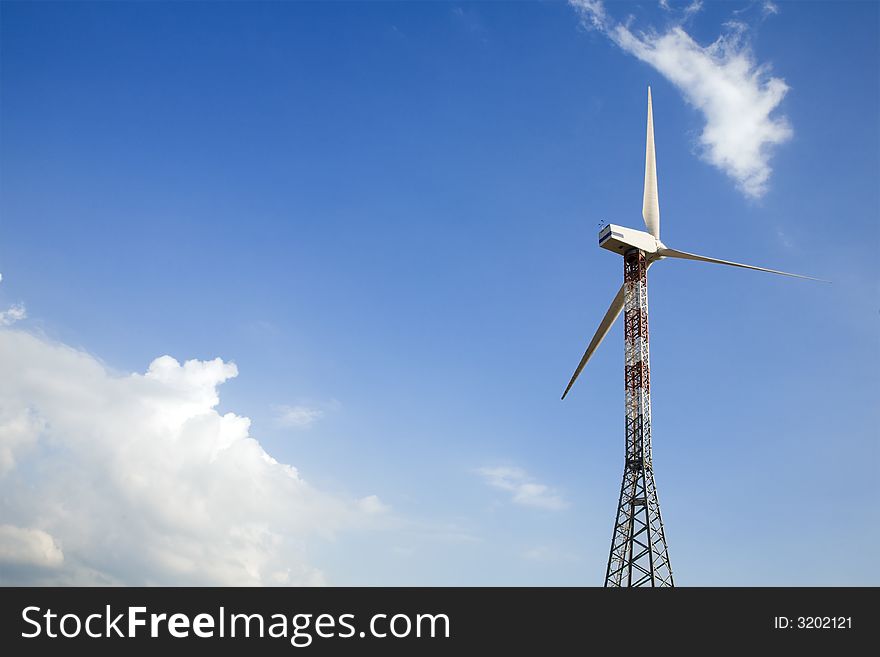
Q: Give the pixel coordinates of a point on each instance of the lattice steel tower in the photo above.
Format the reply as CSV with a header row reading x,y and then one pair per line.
x,y
638,545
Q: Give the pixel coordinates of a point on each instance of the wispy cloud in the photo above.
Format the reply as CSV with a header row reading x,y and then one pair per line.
x,y
300,417
687,10
784,239
523,489
736,95
13,314
693,8
373,505
770,7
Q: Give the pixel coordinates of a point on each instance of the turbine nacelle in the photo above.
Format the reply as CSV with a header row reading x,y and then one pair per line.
x,y
619,239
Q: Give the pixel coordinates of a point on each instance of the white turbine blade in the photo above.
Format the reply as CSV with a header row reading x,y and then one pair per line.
x,y
650,201
604,326
673,253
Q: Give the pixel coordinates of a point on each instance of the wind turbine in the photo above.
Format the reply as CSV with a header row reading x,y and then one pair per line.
x,y
639,555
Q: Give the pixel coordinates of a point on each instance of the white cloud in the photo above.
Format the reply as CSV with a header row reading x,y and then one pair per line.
x,y
735,94
299,416
373,505
693,7
28,547
143,482
524,490
13,314
18,432
687,10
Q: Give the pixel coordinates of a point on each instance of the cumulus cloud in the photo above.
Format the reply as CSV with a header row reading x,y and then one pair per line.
x,y
142,481
29,547
736,96
523,489
18,432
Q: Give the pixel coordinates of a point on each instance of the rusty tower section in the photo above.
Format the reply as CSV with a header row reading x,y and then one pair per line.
x,y
639,556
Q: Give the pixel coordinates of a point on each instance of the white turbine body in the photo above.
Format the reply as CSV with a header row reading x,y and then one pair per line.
x,y
621,239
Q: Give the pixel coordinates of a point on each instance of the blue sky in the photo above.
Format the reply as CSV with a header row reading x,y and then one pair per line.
x,y
385,215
